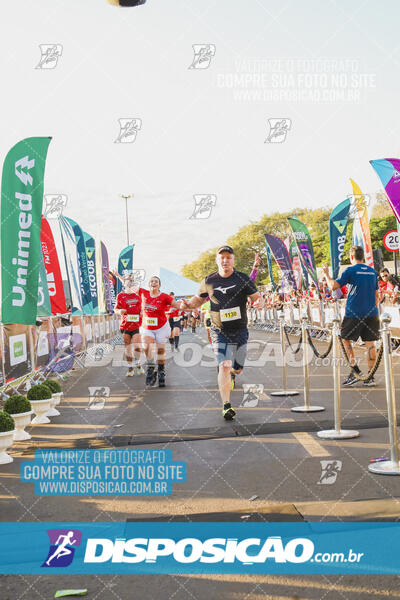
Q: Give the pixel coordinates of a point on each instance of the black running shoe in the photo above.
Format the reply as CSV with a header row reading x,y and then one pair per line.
x,y
370,382
227,412
150,375
351,380
154,378
161,378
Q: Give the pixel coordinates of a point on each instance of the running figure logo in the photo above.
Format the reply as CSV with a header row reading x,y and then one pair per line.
x,y
203,205
50,53
203,53
62,547
138,275
252,394
278,129
97,397
128,129
330,471
55,204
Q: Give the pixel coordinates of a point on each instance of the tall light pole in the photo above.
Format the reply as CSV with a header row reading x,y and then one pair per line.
x,y
126,196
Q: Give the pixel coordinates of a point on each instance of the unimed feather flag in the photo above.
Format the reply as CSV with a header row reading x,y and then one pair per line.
x,y
21,211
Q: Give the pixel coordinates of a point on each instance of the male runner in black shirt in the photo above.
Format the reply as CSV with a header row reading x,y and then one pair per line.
x,y
228,290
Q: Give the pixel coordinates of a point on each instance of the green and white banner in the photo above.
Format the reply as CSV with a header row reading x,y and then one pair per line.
x,y
125,263
21,211
304,246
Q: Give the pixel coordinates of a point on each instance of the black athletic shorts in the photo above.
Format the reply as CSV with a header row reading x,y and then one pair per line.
x,y
366,328
131,333
173,323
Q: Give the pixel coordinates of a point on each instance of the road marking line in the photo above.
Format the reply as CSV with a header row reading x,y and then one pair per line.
x,y
310,444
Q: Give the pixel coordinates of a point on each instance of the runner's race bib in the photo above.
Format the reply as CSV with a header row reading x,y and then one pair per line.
x,y
151,321
132,318
230,314
176,318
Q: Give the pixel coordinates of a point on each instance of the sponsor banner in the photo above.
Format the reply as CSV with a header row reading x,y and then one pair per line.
x,y
17,351
61,346
21,210
337,234
91,266
363,223
305,247
101,291
41,343
43,301
88,329
71,264
191,548
281,255
83,268
53,271
78,331
125,263
269,263
96,328
388,171
106,278
102,328
299,271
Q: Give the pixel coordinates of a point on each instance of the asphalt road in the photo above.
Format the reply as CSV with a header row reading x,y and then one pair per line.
x,y
268,451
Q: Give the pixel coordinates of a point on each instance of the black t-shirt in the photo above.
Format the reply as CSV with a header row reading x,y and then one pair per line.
x,y
228,297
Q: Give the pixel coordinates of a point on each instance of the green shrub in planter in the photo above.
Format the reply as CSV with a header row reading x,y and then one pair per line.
x,y
39,392
6,422
17,404
53,385
48,387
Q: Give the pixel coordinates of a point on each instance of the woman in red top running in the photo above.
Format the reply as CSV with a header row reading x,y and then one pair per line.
x,y
155,329
174,320
128,305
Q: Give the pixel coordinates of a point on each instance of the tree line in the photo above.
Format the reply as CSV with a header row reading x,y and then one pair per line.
x,y
250,239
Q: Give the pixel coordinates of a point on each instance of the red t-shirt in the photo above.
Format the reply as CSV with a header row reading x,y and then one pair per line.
x,y
175,313
154,309
132,319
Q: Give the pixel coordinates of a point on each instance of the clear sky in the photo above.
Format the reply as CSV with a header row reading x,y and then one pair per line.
x,y
333,67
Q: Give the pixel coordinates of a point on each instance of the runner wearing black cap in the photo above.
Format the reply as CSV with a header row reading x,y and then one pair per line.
x,y
228,290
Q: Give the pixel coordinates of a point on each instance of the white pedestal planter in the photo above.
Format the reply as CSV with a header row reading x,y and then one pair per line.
x,y
58,396
6,440
21,421
53,412
40,408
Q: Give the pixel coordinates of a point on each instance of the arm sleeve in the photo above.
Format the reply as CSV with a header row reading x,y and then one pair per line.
x,y
376,283
253,274
203,293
